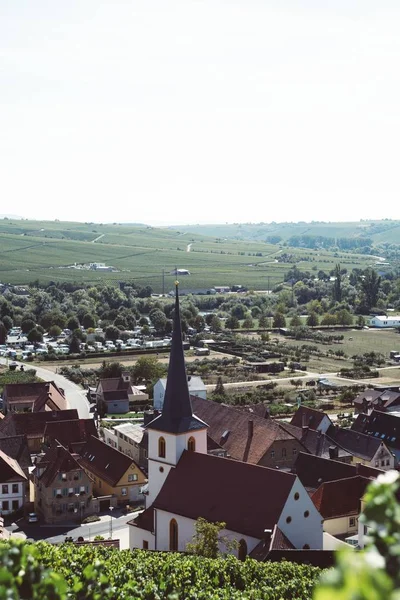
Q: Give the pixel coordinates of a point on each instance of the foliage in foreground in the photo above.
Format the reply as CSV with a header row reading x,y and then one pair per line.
x,y
374,573
42,571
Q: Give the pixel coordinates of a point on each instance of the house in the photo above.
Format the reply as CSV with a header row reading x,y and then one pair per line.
x,y
383,427
63,491
113,473
131,439
119,395
195,385
317,443
33,425
382,400
185,482
385,321
366,449
12,485
309,417
247,436
339,503
72,434
314,470
33,397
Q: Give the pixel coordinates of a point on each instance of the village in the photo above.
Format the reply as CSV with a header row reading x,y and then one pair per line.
x,y
290,488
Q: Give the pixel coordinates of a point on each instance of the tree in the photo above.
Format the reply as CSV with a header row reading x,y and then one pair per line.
x,y
7,322
216,323
88,321
158,319
219,388
207,539
295,321
147,368
263,322
27,325
279,320
74,345
110,370
248,323
312,319
112,333
3,334
34,336
344,317
360,321
55,331
370,284
337,286
73,323
232,323
329,319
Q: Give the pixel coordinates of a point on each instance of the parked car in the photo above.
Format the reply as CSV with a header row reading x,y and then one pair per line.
x,y
33,518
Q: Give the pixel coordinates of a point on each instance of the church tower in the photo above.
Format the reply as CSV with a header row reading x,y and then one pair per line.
x,y
177,428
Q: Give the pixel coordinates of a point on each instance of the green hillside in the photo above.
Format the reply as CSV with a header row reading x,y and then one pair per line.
x,y
47,251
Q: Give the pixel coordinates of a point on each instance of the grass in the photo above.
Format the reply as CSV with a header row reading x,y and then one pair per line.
x,y
43,250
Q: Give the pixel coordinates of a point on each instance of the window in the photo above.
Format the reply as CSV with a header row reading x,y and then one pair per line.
x,y
15,488
132,477
58,493
382,463
288,520
306,547
352,522
4,489
145,545
15,505
283,452
6,505
242,552
294,451
377,463
124,491
296,496
306,514
272,453
173,536
70,491
131,442
387,462
191,444
161,447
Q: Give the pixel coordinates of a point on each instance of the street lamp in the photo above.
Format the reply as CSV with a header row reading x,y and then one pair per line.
x,y
111,509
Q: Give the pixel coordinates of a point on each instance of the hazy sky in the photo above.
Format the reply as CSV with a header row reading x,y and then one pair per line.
x,y
190,111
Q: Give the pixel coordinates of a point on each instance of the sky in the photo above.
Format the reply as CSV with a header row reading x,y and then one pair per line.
x,y
200,111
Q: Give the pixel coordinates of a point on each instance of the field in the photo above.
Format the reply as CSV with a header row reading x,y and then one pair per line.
x,y
48,251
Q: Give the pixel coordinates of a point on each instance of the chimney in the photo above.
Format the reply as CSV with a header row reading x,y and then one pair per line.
x,y
250,425
333,452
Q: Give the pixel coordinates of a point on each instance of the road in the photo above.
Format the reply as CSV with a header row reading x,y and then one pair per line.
x,y
56,534
75,395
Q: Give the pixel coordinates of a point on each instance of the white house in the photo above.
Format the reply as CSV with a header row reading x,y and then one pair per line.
x,y
385,321
186,483
12,485
195,385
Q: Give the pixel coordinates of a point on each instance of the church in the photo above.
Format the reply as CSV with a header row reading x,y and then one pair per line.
x,y
184,483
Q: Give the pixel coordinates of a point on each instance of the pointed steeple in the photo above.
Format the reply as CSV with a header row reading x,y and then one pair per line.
x,y
177,414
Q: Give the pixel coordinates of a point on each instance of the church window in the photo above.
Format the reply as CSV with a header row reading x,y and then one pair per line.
x,y
161,447
191,444
173,536
242,552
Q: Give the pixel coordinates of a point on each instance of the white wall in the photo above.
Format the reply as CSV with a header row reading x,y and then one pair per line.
x,y
341,526
383,455
301,530
186,531
159,391
174,446
136,537
325,424
110,437
10,497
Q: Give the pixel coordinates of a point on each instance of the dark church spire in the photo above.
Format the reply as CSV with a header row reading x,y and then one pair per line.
x,y
177,415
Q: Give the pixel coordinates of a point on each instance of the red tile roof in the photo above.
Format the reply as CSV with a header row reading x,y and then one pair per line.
x,y
104,461
340,498
145,520
248,498
309,417
10,469
43,395
56,460
68,432
244,436
33,424
279,540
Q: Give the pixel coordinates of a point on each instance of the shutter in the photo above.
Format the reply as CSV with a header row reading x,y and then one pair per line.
x,y
77,490
54,493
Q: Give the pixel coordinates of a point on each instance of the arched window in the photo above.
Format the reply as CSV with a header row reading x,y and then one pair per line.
x,y
191,444
161,447
173,536
242,552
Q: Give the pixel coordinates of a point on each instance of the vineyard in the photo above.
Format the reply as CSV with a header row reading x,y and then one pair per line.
x,y
38,571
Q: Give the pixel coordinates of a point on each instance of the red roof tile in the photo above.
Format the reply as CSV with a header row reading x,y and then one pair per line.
x,y
249,498
340,498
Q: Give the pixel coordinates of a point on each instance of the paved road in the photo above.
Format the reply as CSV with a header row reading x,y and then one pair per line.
x,y
76,396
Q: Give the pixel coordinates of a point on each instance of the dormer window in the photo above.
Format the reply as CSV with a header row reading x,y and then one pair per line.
x,y
161,447
191,444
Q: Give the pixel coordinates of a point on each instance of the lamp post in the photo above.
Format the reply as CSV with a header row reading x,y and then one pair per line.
x,y
111,509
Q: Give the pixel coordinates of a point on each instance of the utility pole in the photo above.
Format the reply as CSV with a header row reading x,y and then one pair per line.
x,y
163,282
